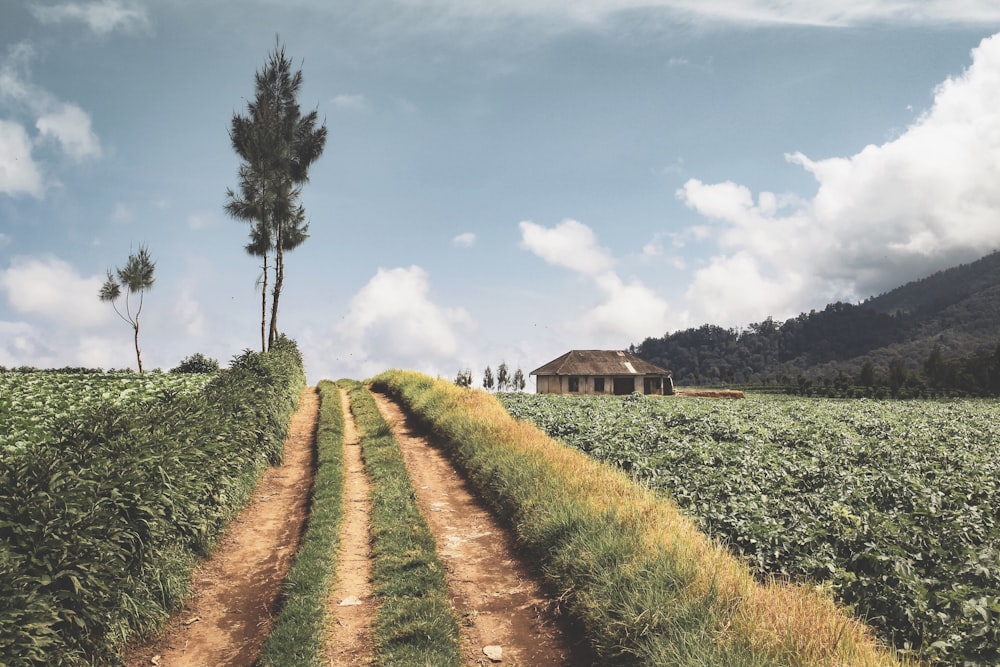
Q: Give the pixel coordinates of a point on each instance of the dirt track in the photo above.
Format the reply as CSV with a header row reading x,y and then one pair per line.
x,y
234,594
503,610
497,598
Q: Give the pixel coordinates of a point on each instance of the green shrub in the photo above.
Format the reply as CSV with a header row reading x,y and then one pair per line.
x,y
197,363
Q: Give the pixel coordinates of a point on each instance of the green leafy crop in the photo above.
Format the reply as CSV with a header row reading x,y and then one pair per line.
x,y
894,506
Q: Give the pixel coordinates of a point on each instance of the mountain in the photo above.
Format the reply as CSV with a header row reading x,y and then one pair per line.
x,y
938,333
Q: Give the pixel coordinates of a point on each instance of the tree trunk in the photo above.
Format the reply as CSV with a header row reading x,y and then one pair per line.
x,y
138,354
263,309
279,280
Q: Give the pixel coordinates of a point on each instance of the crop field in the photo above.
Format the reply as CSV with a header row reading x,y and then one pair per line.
x,y
894,507
125,480
32,404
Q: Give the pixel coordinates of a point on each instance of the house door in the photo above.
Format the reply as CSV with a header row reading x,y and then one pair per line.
x,y
624,386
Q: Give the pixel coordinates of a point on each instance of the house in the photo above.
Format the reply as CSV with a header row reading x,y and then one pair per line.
x,y
601,372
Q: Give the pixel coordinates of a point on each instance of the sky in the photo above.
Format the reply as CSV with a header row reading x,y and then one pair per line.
x,y
503,181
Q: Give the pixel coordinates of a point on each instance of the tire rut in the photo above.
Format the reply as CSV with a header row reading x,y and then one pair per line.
x,y
234,594
499,601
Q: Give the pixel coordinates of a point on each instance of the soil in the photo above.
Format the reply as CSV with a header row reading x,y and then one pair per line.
x,y
499,600
235,592
351,606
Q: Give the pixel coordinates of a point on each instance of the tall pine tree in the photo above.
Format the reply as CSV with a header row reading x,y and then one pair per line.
x,y
276,144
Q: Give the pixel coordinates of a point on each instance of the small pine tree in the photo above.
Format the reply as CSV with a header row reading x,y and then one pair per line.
x,y
136,278
464,378
488,379
518,381
503,377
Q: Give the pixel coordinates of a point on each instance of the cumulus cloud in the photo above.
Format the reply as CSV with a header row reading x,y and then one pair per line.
x,y
19,174
101,17
627,310
466,240
189,313
70,126
51,288
889,214
62,124
570,244
393,323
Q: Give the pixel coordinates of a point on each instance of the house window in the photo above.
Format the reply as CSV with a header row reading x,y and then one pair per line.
x,y
598,385
574,384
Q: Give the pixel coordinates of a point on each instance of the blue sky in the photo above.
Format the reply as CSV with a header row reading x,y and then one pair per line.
x,y
503,180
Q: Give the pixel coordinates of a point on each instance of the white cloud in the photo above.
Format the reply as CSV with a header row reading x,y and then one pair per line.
x,y
627,311
570,244
18,172
102,16
189,314
352,102
893,212
393,323
51,288
466,240
65,124
70,126
18,345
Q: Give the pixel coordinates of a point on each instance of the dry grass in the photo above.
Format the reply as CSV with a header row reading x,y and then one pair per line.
x,y
710,393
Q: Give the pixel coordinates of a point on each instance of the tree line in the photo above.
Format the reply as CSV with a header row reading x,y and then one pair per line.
x,y
502,381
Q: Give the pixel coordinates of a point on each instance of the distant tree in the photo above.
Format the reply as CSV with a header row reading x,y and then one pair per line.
x,y
518,381
277,145
196,363
503,377
935,367
898,374
488,379
464,378
867,375
136,278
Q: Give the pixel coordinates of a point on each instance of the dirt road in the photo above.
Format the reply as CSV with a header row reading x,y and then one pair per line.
x,y
234,594
498,599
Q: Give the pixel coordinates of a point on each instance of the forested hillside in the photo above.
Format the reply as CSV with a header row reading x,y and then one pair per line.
x,y
940,334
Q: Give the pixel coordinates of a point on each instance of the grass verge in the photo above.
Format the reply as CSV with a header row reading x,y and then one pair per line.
x,y
413,624
296,638
648,587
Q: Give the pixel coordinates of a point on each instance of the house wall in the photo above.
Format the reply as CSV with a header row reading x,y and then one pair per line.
x,y
559,384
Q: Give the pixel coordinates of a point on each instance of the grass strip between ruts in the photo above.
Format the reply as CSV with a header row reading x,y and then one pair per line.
x,y
647,586
414,624
296,640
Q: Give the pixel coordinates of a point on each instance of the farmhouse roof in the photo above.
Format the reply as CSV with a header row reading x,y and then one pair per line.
x,y
599,362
